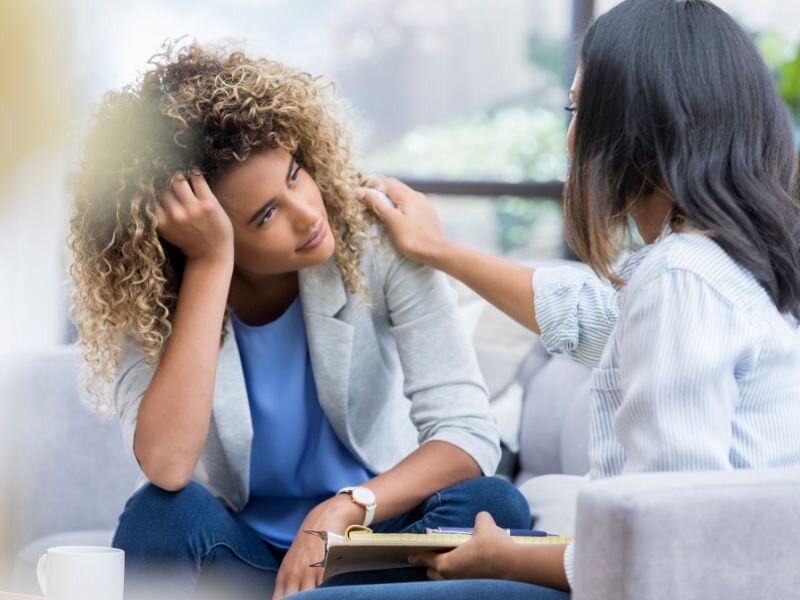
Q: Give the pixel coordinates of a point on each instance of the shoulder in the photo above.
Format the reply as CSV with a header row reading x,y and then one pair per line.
x,y
378,254
381,263
130,354
393,280
697,261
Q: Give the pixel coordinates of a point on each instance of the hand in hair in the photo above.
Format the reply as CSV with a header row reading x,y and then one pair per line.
x,y
190,217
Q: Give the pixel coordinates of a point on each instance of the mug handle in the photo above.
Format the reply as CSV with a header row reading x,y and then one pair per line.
x,y
41,573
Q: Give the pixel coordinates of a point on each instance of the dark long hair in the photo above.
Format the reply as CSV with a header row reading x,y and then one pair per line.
x,y
675,97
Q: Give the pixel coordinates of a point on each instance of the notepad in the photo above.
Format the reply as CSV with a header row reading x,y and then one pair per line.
x,y
362,550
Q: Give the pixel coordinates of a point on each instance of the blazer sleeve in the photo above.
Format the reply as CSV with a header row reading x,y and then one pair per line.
x,y
449,400
128,390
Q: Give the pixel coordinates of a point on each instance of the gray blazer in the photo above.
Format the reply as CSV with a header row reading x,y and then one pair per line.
x,y
369,360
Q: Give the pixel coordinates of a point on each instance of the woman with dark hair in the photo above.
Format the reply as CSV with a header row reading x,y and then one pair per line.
x,y
678,131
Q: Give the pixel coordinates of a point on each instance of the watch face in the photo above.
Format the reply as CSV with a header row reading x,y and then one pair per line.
x,y
363,496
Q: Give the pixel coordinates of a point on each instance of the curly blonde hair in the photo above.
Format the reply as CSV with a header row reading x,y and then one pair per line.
x,y
192,107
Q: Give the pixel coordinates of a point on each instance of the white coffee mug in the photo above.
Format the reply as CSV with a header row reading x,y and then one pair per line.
x,y
82,573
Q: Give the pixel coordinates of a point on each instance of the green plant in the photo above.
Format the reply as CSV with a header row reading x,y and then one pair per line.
x,y
789,84
508,144
783,59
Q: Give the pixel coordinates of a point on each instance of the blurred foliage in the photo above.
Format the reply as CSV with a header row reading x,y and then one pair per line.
x,y
510,142
506,144
517,217
783,59
789,84
548,53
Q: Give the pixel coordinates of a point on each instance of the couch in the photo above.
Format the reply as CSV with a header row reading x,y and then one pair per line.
x,y
695,535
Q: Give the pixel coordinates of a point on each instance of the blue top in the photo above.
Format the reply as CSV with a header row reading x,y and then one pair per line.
x,y
297,461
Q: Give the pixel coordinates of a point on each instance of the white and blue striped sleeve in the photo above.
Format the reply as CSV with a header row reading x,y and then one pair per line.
x,y
679,345
569,564
575,311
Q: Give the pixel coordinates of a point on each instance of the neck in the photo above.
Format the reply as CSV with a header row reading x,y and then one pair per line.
x,y
260,299
651,217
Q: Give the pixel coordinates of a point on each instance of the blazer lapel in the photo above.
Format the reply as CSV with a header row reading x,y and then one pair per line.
x,y
330,341
330,344
233,425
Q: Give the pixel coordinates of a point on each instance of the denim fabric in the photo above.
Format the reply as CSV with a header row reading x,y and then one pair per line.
x,y
466,589
180,544
175,542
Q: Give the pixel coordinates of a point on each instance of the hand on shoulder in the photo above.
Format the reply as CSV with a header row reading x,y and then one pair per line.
x,y
411,220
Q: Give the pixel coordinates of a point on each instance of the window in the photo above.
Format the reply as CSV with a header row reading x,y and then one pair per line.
x,y
446,90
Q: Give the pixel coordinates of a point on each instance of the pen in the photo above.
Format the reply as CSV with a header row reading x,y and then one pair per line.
x,y
512,532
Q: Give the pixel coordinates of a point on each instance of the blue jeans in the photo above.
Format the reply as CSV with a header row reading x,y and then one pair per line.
x,y
188,544
467,589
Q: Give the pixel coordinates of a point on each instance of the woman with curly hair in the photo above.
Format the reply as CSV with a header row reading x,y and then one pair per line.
x,y
259,342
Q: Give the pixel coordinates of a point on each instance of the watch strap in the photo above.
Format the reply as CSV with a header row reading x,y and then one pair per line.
x,y
369,511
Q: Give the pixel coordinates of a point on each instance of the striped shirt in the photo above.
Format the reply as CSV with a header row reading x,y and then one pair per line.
x,y
695,367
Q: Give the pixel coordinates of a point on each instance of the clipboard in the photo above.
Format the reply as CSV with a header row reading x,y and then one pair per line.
x,y
359,549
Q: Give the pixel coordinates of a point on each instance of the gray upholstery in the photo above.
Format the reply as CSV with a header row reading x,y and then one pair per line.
x,y
739,530
695,536
555,416
72,471
67,467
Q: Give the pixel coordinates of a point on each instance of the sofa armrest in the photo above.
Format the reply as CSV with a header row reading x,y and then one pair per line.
x,y
702,535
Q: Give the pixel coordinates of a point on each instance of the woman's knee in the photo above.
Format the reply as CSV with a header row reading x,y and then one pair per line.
x,y
498,497
160,503
170,518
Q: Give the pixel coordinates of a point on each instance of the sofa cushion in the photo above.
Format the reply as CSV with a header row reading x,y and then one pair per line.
x,y
500,345
68,466
554,418
689,535
553,500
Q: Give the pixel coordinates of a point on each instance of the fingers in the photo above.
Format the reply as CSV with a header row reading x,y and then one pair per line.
x,y
375,182
433,562
424,559
200,185
293,582
403,195
293,586
484,522
309,581
395,187
172,207
279,591
280,584
399,192
376,203
182,190
182,196
158,212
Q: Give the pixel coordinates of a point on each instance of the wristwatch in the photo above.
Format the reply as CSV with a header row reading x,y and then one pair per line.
x,y
365,498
